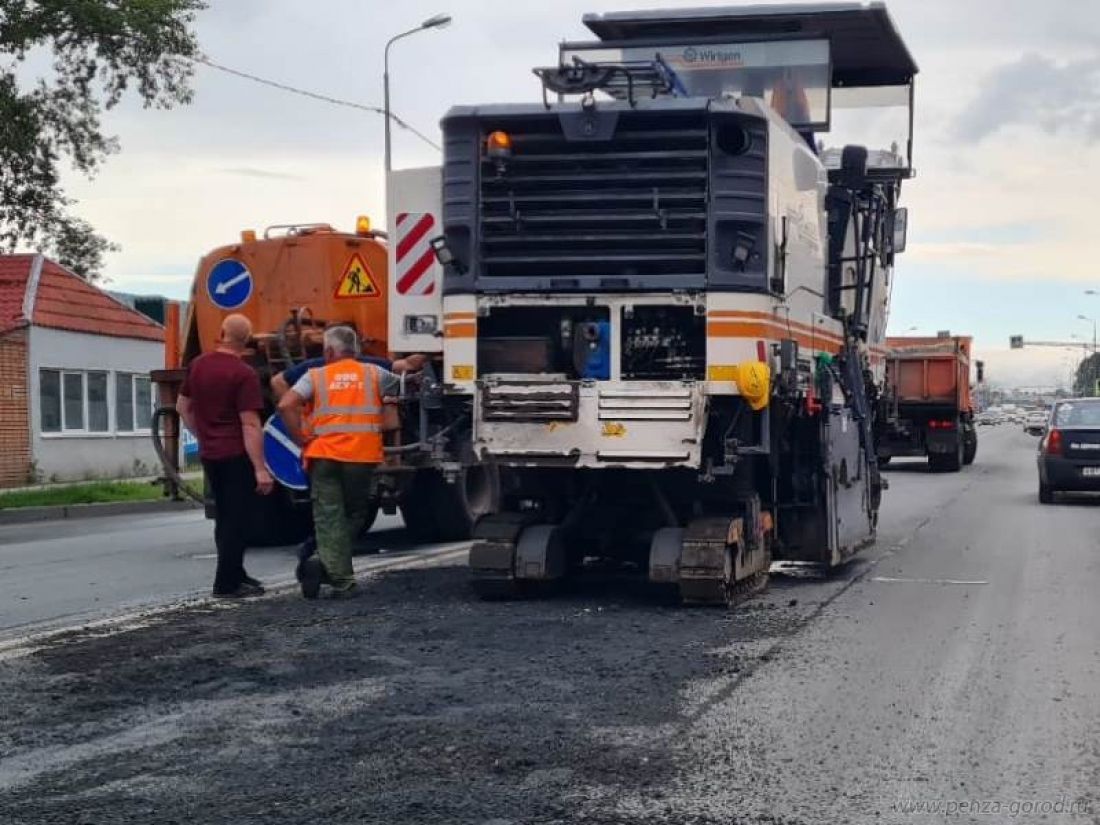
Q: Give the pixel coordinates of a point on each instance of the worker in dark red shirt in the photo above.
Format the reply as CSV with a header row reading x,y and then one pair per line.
x,y
220,402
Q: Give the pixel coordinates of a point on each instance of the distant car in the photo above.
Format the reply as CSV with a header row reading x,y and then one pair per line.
x,y
985,419
1036,422
1069,453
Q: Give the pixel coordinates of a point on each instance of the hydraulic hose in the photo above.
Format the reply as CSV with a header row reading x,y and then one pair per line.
x,y
158,446
408,448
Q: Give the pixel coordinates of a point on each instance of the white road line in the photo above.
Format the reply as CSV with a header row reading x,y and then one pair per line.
x,y
893,580
33,639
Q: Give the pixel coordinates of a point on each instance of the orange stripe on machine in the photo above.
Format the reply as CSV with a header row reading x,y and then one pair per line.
x,y
459,330
779,324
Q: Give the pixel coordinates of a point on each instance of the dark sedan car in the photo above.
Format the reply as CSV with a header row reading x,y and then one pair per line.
x,y
1069,453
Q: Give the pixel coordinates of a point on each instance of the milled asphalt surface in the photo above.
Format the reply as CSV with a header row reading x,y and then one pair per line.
x,y
955,663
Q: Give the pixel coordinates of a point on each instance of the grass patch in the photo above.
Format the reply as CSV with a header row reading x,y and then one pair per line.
x,y
94,492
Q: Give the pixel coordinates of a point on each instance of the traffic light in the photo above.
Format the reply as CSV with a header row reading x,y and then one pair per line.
x,y
1016,341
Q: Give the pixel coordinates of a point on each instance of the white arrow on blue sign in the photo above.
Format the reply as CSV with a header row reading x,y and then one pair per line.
x,y
229,284
282,456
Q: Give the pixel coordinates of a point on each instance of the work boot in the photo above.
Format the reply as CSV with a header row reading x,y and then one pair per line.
x,y
312,575
349,592
251,582
251,587
307,549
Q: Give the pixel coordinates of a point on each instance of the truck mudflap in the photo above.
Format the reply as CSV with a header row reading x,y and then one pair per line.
x,y
942,442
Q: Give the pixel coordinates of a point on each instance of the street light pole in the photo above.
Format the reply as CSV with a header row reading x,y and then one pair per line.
x,y
1093,322
437,22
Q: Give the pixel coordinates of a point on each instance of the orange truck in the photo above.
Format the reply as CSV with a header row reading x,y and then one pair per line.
x,y
292,282
927,409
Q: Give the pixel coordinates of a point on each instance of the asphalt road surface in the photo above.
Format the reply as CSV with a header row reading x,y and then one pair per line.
x,y
951,674
62,572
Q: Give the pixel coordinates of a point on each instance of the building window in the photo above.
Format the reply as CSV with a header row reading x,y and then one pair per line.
x,y
124,402
133,403
73,401
99,418
49,392
72,397
143,402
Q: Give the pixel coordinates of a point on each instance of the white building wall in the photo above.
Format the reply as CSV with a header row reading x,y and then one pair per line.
x,y
69,456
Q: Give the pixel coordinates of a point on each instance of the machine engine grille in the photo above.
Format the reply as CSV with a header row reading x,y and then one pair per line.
x,y
633,205
645,404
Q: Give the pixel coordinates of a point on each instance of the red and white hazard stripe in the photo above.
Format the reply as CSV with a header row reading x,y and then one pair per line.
x,y
415,258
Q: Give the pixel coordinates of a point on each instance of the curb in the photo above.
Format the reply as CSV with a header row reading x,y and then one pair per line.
x,y
29,515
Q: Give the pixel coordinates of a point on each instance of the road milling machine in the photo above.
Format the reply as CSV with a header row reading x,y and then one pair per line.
x,y
667,299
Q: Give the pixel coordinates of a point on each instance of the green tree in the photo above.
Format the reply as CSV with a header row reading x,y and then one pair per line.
x,y
99,50
1088,372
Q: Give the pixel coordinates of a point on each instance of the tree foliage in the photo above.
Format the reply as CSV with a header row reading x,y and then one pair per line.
x,y
62,64
1088,373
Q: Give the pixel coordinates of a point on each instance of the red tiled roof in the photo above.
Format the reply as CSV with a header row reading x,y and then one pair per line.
x,y
62,300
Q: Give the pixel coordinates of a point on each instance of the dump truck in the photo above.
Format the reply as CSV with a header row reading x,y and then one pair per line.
x,y
666,299
927,409
292,281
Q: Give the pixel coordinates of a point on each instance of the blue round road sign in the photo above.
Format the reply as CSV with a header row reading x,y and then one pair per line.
x,y
229,284
282,456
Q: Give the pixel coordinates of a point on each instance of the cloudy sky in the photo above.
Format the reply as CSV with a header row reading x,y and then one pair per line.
x,y
1003,229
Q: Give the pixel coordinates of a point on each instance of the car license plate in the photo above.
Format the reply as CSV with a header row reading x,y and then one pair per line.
x,y
1090,472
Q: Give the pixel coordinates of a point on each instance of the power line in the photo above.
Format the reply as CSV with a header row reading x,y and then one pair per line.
x,y
316,96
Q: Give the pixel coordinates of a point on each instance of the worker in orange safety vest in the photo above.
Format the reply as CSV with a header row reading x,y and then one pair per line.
x,y
341,450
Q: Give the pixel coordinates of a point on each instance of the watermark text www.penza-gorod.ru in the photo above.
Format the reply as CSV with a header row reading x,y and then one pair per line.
x,y
994,807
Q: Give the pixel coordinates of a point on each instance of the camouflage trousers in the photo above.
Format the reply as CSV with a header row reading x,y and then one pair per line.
x,y
340,492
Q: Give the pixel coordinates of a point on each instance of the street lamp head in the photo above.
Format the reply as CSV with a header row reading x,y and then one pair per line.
x,y
437,21
1083,318
1091,292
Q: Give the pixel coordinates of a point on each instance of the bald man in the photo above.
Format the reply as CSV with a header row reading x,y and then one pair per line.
x,y
220,402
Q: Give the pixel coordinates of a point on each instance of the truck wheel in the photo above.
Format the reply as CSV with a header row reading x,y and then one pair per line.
x,y
1046,495
970,445
277,521
435,510
970,451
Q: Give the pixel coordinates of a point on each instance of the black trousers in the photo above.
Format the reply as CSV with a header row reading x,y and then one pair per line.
x,y
233,483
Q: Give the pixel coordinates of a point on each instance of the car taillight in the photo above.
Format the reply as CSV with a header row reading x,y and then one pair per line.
x,y
937,424
1054,442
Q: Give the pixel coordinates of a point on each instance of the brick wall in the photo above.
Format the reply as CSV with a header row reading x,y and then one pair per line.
x,y
15,437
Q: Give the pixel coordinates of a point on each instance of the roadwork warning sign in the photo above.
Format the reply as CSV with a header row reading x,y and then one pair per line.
x,y
357,281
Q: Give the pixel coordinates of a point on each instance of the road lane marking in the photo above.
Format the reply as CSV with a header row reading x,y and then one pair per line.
x,y
903,580
42,633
